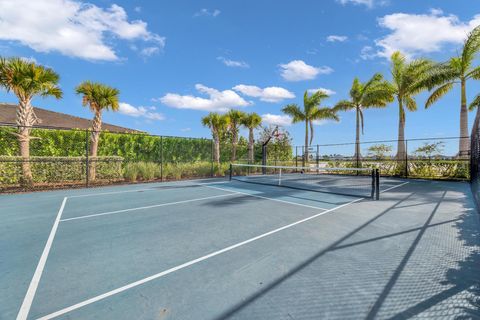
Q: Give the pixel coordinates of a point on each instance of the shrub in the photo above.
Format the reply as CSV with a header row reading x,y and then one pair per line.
x,y
130,172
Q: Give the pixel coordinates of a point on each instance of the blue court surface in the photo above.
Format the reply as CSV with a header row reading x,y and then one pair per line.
x,y
213,249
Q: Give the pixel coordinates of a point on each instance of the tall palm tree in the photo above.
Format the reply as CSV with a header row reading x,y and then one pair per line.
x,y
311,111
408,79
98,97
459,69
217,124
375,93
251,121
235,121
26,80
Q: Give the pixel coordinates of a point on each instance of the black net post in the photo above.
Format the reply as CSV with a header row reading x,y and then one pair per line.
x,y
230,172
377,184
87,165
264,159
317,159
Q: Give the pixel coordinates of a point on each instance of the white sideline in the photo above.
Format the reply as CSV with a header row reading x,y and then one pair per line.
x,y
267,198
32,288
146,207
397,186
184,265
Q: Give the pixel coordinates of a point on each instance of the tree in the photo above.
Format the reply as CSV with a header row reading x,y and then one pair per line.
x,y
235,121
430,149
26,80
311,111
217,124
98,97
375,93
444,76
251,121
379,151
408,79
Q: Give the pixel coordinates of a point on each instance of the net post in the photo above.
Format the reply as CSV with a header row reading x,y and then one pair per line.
x,y
212,160
377,184
230,172
161,158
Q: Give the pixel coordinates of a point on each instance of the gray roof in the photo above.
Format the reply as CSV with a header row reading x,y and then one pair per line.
x,y
56,119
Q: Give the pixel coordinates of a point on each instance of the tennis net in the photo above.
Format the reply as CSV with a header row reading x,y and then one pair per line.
x,y
358,182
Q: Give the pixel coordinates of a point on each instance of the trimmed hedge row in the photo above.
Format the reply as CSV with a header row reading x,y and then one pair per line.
x,y
59,169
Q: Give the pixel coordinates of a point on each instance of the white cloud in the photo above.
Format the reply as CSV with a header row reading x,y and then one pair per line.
x,y
417,34
220,101
276,119
368,3
268,94
140,112
233,63
149,51
368,53
137,9
186,129
325,90
298,70
71,27
334,38
208,13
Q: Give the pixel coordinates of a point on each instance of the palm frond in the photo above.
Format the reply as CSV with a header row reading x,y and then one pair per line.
x,y
344,105
471,46
438,93
475,103
474,74
411,104
294,111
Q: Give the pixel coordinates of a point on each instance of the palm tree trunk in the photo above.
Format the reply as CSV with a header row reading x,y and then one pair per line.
x,y
464,145
357,137
25,120
234,145
250,145
97,127
216,148
305,153
401,152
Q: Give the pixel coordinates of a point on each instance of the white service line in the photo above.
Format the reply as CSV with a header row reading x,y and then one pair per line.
x,y
32,288
267,198
147,207
113,192
397,186
184,265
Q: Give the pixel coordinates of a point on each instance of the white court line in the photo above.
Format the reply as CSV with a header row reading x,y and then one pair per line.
x,y
147,207
32,288
397,186
267,198
184,265
113,192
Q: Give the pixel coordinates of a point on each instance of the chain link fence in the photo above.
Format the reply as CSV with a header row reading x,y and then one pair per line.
x,y
426,158
60,157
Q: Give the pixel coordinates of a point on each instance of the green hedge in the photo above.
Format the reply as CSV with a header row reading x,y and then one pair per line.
x,y
59,169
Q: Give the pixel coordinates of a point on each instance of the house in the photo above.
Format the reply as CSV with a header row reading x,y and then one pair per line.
x,y
54,119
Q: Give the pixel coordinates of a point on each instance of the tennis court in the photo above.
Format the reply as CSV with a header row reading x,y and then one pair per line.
x,y
217,249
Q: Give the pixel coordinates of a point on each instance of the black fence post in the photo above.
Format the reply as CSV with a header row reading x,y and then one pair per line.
x,y
211,159
377,183
230,172
406,158
296,156
317,162
264,159
87,164
161,158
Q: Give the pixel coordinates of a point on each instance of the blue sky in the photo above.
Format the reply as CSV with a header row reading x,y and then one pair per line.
x,y
174,61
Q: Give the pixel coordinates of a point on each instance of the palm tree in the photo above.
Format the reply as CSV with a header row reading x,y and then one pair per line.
x,y
217,124
408,79
235,121
459,69
98,97
251,121
311,111
26,80
375,93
